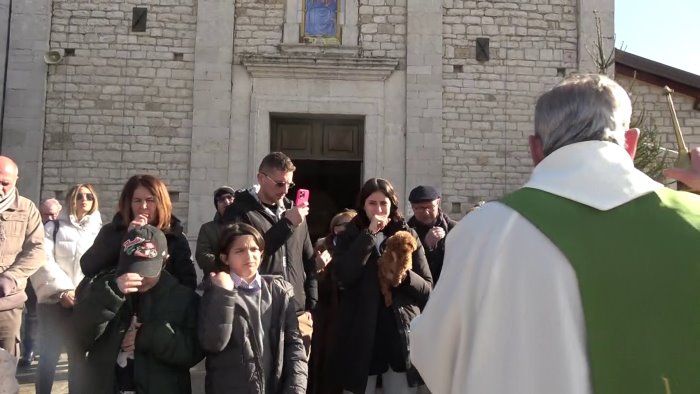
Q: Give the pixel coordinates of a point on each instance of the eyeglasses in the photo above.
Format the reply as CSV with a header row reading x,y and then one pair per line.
x,y
85,196
424,207
279,184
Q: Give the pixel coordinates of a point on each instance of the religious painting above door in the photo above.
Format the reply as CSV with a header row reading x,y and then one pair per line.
x,y
321,21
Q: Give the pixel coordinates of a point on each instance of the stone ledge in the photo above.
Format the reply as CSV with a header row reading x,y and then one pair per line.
x,y
319,67
320,50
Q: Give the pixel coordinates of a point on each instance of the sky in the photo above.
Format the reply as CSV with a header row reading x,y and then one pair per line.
x,y
666,31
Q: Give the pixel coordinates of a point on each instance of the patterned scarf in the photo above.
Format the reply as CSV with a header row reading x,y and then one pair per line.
x,y
6,201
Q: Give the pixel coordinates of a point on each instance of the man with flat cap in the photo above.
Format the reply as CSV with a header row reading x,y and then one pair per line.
x,y
431,224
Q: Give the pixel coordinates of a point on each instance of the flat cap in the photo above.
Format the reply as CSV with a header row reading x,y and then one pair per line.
x,y
423,193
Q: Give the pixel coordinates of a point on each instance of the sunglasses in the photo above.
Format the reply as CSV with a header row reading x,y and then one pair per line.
x,y
85,196
279,184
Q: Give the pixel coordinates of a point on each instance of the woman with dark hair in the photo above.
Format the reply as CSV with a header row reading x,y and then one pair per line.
x,y
248,324
65,241
144,200
372,338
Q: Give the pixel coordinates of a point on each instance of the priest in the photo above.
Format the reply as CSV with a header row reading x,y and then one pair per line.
x,y
586,280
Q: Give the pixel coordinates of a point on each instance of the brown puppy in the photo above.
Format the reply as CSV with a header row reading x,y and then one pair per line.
x,y
395,262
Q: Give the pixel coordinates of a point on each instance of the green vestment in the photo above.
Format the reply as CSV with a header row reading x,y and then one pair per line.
x,y
638,272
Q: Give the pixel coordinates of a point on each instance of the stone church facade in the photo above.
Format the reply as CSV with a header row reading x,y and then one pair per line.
x,y
436,92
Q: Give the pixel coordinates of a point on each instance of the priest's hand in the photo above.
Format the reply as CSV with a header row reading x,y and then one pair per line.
x,y
689,176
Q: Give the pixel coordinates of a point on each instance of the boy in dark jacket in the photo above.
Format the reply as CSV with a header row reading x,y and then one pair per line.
x,y
137,324
248,324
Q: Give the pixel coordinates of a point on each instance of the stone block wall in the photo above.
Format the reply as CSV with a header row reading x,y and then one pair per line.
x,y
383,28
488,106
258,26
651,99
122,104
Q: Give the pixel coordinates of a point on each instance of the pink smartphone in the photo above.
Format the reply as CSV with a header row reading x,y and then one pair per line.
x,y
302,197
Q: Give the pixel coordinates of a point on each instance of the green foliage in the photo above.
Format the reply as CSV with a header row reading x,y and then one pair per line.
x,y
651,157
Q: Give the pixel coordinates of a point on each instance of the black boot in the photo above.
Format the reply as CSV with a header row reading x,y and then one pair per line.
x,y
26,360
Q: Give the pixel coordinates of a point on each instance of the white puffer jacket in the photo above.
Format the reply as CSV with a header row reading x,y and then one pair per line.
x,y
62,269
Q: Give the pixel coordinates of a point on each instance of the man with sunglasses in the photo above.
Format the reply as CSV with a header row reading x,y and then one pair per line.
x,y
288,249
21,253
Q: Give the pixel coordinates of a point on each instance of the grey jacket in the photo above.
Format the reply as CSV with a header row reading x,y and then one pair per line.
x,y
234,360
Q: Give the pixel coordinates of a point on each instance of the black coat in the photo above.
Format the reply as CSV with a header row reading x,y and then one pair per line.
x,y
359,336
436,256
166,343
104,252
282,240
234,363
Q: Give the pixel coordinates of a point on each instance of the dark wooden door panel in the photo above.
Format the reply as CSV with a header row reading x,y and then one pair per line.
x,y
318,139
341,141
295,139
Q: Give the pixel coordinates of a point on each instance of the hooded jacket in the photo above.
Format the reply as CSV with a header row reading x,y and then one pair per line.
x,y
288,249
62,269
104,252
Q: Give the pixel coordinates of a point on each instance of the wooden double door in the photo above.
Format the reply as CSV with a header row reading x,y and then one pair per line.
x,y
328,153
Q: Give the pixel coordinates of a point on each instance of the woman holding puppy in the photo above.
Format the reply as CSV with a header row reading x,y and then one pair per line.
x,y
144,200
372,337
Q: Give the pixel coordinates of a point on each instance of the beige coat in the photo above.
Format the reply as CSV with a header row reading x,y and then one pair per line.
x,y
21,247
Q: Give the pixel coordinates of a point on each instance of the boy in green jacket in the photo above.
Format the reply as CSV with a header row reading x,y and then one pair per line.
x,y
137,324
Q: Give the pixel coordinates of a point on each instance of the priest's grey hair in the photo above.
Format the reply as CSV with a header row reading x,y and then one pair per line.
x,y
583,107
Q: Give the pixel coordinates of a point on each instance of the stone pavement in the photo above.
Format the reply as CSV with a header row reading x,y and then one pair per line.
x,y
25,377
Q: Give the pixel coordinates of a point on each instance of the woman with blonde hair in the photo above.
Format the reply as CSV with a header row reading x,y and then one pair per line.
x,y
65,241
144,200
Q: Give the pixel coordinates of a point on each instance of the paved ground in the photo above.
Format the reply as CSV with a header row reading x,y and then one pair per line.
x,y
25,377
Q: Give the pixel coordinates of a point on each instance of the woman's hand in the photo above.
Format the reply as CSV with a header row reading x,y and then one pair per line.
x,y
322,260
377,223
223,280
67,299
139,221
129,282
129,340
